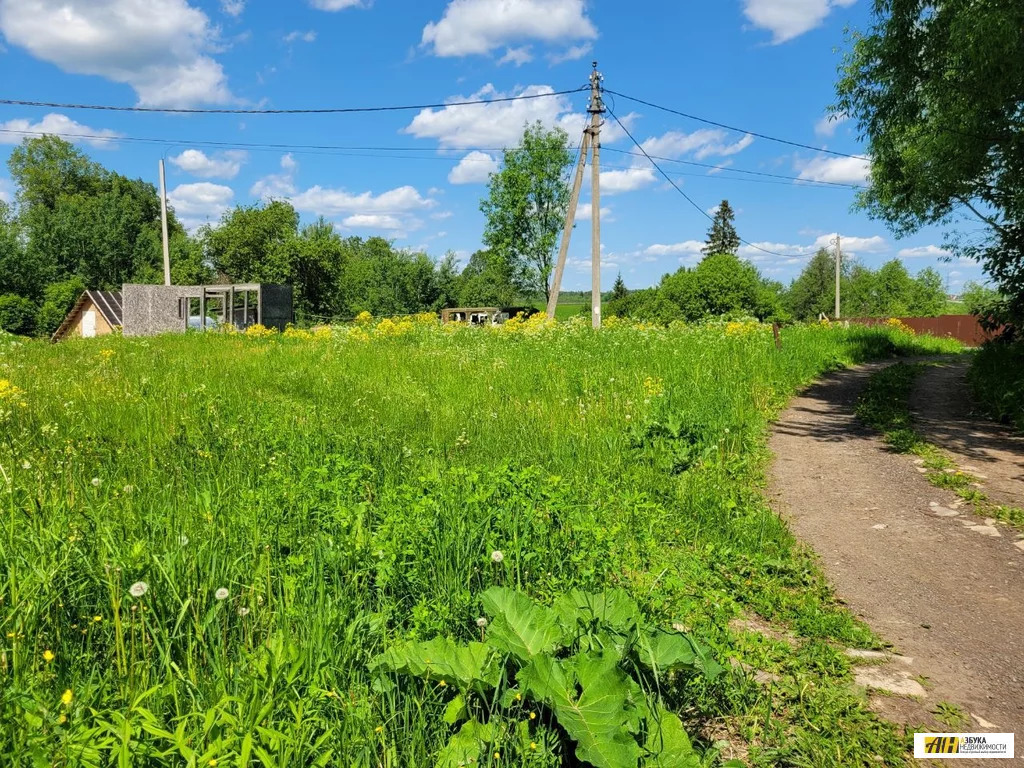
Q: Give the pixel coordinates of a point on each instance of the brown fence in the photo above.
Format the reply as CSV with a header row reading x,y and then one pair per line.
x,y
964,328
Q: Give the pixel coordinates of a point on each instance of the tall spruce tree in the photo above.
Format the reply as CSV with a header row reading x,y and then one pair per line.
x,y
619,290
722,237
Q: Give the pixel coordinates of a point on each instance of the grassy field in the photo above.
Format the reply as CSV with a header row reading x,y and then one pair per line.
x,y
205,541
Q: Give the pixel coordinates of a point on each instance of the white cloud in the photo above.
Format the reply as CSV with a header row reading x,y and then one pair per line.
x,y
199,203
851,244
489,125
517,56
924,252
158,47
794,254
828,124
374,221
787,19
479,26
574,53
474,168
299,36
338,5
277,185
333,202
684,249
224,165
702,143
843,170
232,7
584,210
58,125
6,191
628,180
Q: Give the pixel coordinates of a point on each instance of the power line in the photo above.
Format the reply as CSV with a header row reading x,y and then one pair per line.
x,y
317,111
734,128
686,196
373,151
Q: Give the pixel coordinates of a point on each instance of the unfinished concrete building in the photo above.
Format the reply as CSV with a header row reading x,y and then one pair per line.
x,y
146,310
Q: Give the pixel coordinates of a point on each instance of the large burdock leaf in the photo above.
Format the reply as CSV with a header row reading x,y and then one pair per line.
x,y
465,747
472,665
591,700
613,608
519,626
663,651
668,745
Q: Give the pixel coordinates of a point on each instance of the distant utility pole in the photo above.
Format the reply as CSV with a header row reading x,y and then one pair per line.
x,y
163,223
839,270
591,142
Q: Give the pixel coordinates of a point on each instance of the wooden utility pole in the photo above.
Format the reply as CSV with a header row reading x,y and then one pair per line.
x,y
596,110
592,143
163,223
839,270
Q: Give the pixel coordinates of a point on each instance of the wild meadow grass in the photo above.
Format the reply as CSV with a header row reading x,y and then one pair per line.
x,y
205,540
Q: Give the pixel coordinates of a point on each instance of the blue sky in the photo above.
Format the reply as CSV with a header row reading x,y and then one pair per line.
x,y
763,65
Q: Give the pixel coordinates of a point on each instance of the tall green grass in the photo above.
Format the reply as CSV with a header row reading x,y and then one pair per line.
x,y
346,493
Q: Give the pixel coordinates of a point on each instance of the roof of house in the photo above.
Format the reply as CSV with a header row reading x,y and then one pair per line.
x,y
107,302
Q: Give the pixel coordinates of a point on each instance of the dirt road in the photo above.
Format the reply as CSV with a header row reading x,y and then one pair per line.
x,y
945,588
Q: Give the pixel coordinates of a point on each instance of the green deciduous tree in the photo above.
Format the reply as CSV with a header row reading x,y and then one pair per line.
x,y
813,292
722,237
526,205
936,90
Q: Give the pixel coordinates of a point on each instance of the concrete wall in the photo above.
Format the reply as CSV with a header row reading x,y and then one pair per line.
x,y
152,309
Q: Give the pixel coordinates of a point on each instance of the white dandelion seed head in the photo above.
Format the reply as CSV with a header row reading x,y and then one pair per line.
x,y
95,482
222,593
481,622
138,589
243,611
497,556
26,464
183,540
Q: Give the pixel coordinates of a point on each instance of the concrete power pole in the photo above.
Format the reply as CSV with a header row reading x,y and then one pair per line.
x,y
163,222
596,110
591,143
839,270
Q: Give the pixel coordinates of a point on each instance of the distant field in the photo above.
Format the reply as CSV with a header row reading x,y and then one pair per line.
x,y
564,310
206,540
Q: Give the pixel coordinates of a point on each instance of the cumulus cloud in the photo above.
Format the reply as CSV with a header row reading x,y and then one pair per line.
x,y
299,36
924,252
500,124
277,185
158,47
684,249
223,165
374,221
58,125
474,168
6,191
481,26
200,203
702,143
573,53
843,170
338,5
853,245
585,210
787,19
828,124
334,202
517,56
232,7
626,180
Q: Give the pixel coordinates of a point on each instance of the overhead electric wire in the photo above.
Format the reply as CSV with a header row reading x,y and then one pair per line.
x,y
704,120
686,196
309,111
374,151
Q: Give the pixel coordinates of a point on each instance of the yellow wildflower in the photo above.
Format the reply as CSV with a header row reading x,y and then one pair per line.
x,y
67,697
533,745
48,656
97,619
62,719
533,715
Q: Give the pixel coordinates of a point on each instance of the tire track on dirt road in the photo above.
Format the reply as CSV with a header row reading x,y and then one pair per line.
x,y
900,555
